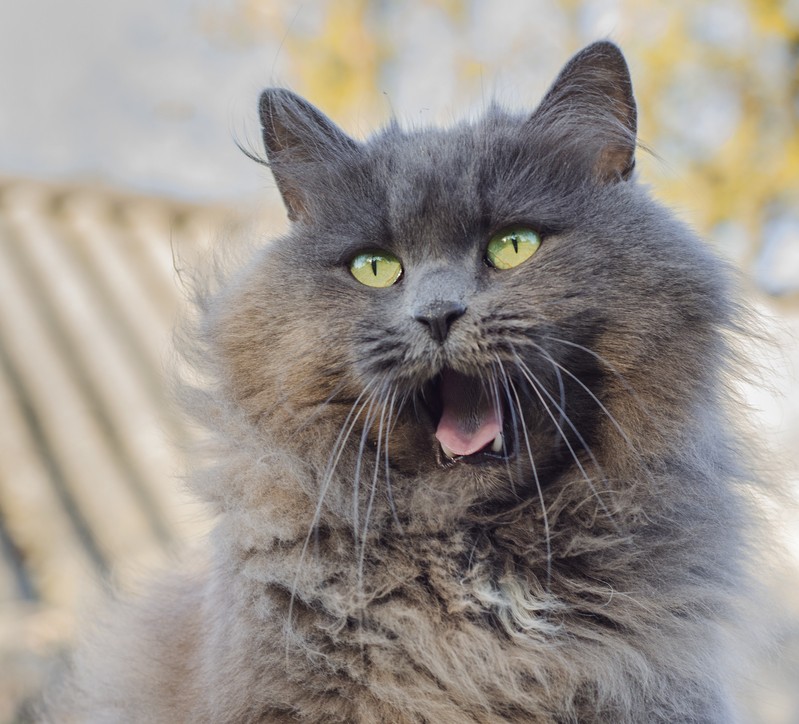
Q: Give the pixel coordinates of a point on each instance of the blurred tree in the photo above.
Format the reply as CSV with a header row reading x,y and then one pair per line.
x,y
719,91
717,82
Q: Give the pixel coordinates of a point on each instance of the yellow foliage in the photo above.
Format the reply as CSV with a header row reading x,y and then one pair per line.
x,y
339,65
744,54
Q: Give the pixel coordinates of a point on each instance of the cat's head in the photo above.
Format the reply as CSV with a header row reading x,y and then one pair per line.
x,y
483,307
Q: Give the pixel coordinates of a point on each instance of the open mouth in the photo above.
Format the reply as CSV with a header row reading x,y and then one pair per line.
x,y
470,421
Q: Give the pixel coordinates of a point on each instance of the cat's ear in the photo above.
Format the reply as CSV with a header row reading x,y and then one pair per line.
x,y
591,103
301,143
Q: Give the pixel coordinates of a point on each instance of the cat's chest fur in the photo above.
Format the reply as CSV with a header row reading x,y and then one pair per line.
x,y
421,616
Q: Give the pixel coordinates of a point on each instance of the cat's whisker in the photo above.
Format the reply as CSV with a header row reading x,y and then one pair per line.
x,y
317,407
362,539
340,443
327,477
561,392
511,389
381,432
515,419
361,536
498,403
565,417
320,407
538,388
389,428
356,478
611,418
610,367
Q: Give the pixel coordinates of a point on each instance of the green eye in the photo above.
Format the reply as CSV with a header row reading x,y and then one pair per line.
x,y
510,248
376,268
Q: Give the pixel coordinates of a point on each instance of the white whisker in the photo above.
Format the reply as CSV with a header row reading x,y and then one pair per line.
x,y
356,478
598,402
618,375
538,388
498,403
511,388
389,428
335,455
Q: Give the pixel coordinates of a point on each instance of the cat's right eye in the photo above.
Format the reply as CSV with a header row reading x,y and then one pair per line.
x,y
376,268
512,247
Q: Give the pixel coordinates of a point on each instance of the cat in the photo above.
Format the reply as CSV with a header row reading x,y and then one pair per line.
x,y
472,450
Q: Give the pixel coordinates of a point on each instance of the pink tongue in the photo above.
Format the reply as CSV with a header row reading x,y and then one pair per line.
x,y
470,419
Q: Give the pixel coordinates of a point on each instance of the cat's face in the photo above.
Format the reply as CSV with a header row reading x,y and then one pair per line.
x,y
478,300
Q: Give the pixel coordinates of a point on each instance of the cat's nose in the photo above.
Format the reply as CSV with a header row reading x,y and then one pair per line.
x,y
438,317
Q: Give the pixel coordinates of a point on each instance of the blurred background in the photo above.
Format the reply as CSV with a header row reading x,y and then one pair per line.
x,y
118,162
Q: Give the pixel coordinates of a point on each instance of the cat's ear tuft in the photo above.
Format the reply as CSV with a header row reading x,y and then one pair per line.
x,y
592,102
299,141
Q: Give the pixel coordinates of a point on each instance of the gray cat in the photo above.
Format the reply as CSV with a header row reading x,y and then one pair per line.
x,y
472,461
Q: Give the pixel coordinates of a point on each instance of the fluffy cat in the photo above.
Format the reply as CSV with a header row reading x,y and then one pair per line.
x,y
473,461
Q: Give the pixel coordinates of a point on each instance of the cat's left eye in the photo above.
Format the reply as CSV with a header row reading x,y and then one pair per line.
x,y
512,247
376,268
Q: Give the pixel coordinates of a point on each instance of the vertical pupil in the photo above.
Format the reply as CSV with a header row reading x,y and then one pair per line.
x,y
515,241
374,265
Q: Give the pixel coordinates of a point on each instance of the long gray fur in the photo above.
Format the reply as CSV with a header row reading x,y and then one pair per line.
x,y
355,576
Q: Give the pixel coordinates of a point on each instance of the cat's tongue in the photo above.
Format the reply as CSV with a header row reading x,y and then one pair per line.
x,y
470,419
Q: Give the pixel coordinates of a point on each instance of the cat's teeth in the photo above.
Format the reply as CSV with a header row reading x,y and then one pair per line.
x,y
498,443
451,455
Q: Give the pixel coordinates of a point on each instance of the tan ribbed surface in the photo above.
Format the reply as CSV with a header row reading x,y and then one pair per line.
x,y
89,462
